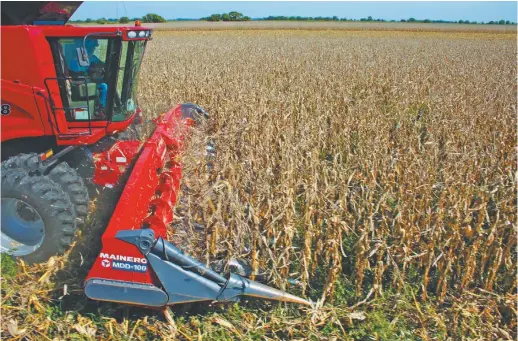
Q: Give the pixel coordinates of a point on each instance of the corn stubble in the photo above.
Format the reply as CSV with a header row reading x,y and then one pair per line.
x,y
385,158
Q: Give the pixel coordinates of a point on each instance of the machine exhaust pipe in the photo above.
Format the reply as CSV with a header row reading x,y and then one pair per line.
x,y
174,269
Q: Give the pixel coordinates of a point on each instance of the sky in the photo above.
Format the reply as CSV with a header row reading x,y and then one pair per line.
x,y
434,10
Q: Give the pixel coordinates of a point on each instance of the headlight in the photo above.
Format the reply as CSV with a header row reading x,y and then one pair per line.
x,y
142,34
148,33
132,34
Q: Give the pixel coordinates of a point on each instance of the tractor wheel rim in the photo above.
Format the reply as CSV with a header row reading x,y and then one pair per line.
x,y
22,229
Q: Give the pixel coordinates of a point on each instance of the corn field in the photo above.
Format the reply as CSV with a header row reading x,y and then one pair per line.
x,y
366,155
350,166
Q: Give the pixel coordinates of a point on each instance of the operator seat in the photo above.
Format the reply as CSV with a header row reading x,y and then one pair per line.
x,y
80,92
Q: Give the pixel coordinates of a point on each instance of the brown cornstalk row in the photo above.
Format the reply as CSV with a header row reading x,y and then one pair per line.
x,y
406,147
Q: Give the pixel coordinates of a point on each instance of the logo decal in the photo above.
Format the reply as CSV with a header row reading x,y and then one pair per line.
x,y
123,258
129,266
124,263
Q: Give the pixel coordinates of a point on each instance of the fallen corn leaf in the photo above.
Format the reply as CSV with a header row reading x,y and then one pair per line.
x,y
169,317
33,300
12,327
50,269
224,323
85,330
357,315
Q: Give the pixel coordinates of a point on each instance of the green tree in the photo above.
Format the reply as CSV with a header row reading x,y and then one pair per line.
x,y
153,18
235,16
411,20
501,22
124,20
101,21
215,17
88,20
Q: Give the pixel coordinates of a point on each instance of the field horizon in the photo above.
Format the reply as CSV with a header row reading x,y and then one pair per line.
x,y
321,25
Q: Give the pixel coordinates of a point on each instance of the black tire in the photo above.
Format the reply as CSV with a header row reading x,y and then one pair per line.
x,y
82,161
25,161
62,174
52,204
73,185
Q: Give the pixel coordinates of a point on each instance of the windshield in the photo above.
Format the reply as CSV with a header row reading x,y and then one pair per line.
x,y
86,83
96,82
129,66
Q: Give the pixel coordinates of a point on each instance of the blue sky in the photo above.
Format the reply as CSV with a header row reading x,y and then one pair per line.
x,y
465,10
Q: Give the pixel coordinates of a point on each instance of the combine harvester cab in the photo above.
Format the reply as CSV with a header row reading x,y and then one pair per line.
x,y
75,86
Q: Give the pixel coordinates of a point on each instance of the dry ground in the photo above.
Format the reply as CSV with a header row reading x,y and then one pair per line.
x,y
373,171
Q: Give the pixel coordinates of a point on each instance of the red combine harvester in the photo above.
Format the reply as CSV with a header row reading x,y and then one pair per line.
x,y
71,89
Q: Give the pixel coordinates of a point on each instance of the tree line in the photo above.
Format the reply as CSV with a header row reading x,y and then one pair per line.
x,y
148,18
236,16
230,16
370,19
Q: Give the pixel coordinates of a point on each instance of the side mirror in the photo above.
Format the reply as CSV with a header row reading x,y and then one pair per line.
x,y
82,57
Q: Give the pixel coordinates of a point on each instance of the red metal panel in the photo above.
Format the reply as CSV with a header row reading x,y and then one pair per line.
x,y
80,136
19,59
147,199
23,118
111,164
26,62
